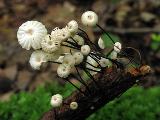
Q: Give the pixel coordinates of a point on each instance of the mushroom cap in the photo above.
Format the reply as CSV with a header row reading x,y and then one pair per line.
x,y
30,34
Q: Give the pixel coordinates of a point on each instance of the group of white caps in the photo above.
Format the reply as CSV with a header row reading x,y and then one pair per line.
x,y
33,34
57,101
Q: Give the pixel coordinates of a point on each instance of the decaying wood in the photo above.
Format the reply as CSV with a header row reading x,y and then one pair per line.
x,y
112,82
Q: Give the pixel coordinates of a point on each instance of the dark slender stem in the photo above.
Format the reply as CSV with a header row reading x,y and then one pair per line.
x,y
74,41
83,32
82,81
109,52
93,70
114,42
88,73
92,65
113,61
75,86
70,47
54,62
96,55
123,53
105,33
137,53
88,40
93,57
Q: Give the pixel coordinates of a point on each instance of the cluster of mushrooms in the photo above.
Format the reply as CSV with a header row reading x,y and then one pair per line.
x,y
83,53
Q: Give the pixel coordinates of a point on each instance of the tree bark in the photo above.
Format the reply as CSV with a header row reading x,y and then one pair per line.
x,y
112,82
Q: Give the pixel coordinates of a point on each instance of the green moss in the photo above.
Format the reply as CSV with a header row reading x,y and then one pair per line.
x,y
155,43
135,104
31,106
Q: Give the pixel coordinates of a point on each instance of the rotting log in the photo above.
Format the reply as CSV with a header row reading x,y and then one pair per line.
x,y
112,83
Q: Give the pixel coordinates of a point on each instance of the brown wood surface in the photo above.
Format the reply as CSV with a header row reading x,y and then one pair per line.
x,y
111,84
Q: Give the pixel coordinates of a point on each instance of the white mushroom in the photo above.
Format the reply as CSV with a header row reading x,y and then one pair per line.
x,y
37,58
101,43
64,70
117,47
50,44
30,34
56,100
89,18
85,49
72,26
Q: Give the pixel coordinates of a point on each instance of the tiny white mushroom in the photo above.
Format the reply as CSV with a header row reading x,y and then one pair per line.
x,y
92,64
72,26
64,70
85,49
56,100
89,18
37,58
60,34
73,105
50,44
117,47
56,33
30,34
104,62
101,43
69,60
78,56
65,34
113,55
